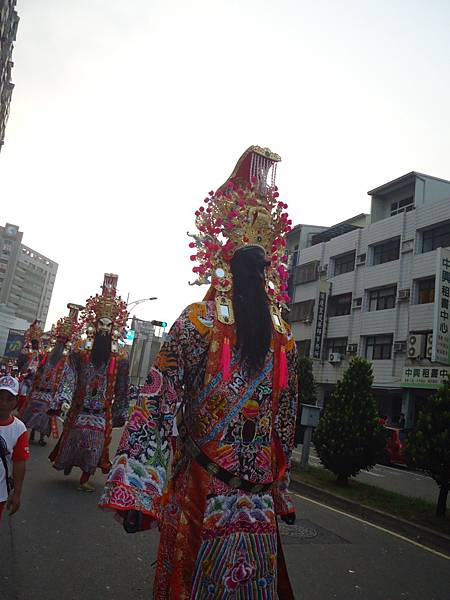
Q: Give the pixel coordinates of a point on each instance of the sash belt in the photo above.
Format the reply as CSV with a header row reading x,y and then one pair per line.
x,y
213,468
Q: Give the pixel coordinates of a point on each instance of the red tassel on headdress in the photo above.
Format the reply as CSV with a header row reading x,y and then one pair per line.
x,y
283,381
226,359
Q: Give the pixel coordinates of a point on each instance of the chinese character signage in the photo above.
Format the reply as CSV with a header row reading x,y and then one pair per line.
x,y
320,324
425,377
441,337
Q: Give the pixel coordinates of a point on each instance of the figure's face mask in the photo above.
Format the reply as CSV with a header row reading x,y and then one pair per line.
x,y
104,326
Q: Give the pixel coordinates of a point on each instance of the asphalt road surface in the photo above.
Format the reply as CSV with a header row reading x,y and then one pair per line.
x,y
395,479
60,546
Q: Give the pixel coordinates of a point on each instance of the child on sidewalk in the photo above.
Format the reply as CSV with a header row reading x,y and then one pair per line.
x,y
13,447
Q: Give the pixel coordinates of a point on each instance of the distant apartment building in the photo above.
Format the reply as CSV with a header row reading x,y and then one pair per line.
x,y
376,286
9,21
27,278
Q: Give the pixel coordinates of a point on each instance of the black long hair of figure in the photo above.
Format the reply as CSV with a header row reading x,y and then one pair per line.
x,y
251,306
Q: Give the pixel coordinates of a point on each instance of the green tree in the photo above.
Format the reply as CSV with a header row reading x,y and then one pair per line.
x,y
429,444
349,437
306,389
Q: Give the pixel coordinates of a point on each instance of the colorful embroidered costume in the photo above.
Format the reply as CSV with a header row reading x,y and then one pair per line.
x,y
230,473
98,399
97,393
49,373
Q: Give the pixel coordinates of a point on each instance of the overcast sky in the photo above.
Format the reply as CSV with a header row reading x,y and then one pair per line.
x,y
126,113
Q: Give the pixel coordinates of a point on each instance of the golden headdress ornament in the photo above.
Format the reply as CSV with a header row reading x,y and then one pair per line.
x,y
67,328
245,211
105,305
34,332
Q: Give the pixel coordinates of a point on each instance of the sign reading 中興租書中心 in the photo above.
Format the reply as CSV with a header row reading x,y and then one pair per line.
x,y
440,351
425,377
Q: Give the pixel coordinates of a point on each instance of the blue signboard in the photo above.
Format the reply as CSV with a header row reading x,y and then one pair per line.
x,y
15,343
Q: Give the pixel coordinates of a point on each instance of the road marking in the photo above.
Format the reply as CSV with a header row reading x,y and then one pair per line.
x,y
393,533
371,473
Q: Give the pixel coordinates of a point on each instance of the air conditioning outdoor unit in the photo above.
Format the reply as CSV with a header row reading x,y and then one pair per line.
x,y
334,357
400,346
361,259
415,345
323,270
356,302
352,348
404,294
429,345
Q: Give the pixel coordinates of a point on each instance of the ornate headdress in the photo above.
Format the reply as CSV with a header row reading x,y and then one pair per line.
x,y
68,328
34,332
245,211
106,305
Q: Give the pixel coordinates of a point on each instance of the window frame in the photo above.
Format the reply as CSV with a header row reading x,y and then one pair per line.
x,y
401,206
304,347
431,234
336,345
349,259
332,303
379,347
380,296
430,289
386,251
300,317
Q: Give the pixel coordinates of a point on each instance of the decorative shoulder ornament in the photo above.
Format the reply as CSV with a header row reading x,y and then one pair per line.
x,y
245,211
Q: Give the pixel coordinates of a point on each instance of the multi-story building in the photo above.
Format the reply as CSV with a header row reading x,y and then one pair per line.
x,y
9,21
26,280
368,286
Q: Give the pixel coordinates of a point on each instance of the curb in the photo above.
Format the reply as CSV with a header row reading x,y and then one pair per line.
x,y
417,533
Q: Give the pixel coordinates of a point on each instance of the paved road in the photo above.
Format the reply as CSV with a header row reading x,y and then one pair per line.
x,y
394,479
65,548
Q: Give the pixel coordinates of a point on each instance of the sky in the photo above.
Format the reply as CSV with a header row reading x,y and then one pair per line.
x,y
126,113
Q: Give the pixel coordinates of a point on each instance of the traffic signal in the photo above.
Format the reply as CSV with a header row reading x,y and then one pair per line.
x,y
159,323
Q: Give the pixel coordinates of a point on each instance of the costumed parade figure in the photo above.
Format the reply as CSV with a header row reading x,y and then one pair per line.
x,y
95,385
231,361
48,375
29,361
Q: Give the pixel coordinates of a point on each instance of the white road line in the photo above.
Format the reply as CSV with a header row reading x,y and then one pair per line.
x,y
393,533
371,473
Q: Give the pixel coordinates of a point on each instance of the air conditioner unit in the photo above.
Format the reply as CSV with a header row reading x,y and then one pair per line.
x,y
404,294
352,349
334,357
323,270
361,259
429,345
356,302
400,346
415,345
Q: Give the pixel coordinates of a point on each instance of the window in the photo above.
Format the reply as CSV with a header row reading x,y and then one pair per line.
x,y
379,347
400,206
337,345
306,273
382,298
425,288
302,311
344,263
339,305
304,347
386,252
439,237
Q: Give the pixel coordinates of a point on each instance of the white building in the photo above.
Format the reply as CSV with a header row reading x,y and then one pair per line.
x,y
367,287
